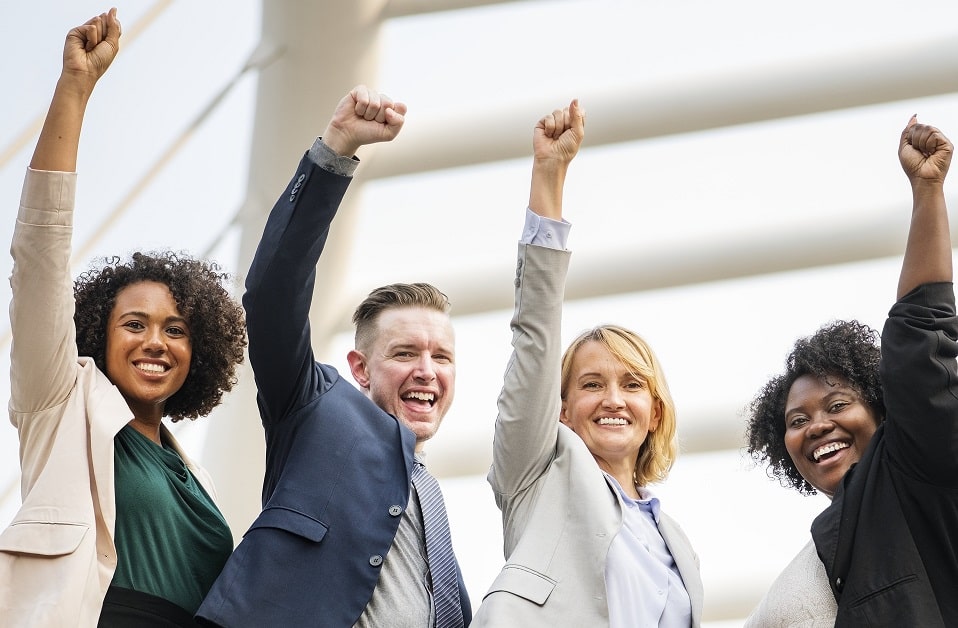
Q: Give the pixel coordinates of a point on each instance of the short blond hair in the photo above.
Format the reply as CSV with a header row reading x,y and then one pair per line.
x,y
394,296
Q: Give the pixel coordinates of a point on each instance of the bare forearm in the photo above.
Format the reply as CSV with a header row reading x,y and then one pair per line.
x,y
928,254
545,194
59,140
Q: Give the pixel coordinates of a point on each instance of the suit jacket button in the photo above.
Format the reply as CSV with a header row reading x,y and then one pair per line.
x,y
395,511
376,560
839,584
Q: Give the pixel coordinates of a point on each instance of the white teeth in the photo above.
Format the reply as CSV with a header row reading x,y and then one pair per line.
x,y
421,396
606,420
151,368
827,449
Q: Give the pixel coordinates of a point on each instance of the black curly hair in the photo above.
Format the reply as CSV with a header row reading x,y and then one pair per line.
x,y
844,348
217,324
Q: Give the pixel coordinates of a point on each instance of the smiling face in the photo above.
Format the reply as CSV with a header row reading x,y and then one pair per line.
x,y
409,368
827,428
148,348
609,408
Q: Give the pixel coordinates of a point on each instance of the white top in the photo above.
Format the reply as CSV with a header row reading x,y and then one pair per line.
x,y
799,598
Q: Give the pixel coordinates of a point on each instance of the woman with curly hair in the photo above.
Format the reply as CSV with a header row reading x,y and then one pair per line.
x,y
118,526
580,437
876,431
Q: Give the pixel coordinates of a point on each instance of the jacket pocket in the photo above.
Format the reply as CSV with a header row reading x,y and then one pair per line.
x,y
42,538
524,582
291,521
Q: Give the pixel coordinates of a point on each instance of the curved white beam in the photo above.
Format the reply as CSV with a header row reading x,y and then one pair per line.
x,y
685,105
651,268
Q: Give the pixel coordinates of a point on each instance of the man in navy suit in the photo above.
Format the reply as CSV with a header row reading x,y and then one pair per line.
x,y
340,540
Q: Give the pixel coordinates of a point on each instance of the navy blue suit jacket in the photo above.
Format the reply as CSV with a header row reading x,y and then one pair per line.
x,y
337,466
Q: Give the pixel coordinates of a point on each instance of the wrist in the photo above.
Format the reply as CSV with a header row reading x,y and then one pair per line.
x,y
925,187
550,165
78,86
339,143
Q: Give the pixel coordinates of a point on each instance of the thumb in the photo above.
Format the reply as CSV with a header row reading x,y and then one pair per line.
x,y
906,132
577,113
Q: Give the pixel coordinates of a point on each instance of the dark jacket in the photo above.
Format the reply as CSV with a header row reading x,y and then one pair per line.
x,y
889,539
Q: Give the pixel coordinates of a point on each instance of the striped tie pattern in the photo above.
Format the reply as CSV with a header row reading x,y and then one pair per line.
x,y
439,554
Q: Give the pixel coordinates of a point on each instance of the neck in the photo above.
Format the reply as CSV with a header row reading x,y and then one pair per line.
x,y
624,474
150,429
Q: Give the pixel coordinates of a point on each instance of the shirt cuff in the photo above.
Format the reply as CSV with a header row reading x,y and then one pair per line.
x,y
327,159
540,231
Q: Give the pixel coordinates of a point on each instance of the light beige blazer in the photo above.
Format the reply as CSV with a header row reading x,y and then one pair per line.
x,y
559,513
57,557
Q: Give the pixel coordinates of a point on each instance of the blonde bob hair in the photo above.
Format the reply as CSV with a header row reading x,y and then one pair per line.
x,y
658,452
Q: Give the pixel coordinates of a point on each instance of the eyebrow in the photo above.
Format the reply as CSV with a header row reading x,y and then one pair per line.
x,y
843,390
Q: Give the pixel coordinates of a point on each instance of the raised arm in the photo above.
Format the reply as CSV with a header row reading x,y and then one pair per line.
x,y
43,352
918,346
89,50
283,273
529,404
925,155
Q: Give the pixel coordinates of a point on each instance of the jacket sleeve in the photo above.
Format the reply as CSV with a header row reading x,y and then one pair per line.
x,y
43,354
528,422
918,373
280,283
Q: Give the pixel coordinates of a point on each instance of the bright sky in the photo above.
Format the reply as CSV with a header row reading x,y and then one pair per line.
x,y
718,342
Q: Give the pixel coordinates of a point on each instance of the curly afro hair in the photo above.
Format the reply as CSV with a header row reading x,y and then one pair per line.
x,y
844,348
217,324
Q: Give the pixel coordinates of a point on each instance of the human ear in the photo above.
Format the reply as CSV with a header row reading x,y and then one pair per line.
x,y
357,366
656,415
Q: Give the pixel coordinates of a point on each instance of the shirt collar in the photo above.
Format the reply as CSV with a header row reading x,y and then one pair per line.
x,y
647,500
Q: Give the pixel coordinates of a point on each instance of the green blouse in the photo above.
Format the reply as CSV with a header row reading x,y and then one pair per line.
x,y
171,539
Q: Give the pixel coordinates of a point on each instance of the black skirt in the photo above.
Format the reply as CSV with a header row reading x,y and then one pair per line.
x,y
126,608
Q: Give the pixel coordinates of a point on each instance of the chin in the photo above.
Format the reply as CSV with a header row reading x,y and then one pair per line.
x,y
422,429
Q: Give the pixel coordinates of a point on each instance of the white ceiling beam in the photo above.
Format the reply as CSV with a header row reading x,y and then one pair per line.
x,y
685,104
645,268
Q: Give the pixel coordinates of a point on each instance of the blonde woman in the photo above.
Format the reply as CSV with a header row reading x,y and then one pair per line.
x,y
578,440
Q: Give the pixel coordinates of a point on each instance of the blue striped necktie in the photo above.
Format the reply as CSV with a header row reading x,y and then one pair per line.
x,y
439,554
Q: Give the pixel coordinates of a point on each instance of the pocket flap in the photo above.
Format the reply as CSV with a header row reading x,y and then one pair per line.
x,y
524,582
42,538
292,521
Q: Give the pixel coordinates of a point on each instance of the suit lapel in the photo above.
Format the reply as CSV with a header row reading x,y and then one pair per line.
x,y
107,413
687,563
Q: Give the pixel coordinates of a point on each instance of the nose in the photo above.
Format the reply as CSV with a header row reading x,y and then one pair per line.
x,y
425,369
820,425
154,340
613,398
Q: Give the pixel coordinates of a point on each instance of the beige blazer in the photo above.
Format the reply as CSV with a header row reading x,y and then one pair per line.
x,y
57,557
559,513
